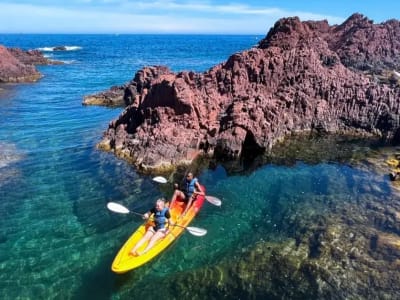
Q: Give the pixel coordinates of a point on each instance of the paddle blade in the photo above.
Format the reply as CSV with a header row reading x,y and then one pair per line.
x,y
214,200
118,208
196,231
160,179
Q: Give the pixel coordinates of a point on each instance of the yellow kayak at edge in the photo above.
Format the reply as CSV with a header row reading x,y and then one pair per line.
x,y
125,262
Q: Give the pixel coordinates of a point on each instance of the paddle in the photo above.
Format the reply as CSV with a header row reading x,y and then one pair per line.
x,y
119,208
213,200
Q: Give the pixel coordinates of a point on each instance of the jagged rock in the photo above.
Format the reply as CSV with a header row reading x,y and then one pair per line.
x,y
366,46
304,76
12,70
32,57
17,65
112,97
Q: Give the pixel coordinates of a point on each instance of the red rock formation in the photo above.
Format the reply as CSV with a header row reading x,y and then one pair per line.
x,y
32,57
13,70
17,65
303,76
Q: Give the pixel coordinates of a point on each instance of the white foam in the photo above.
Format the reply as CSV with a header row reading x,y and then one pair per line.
x,y
68,62
46,49
67,48
73,48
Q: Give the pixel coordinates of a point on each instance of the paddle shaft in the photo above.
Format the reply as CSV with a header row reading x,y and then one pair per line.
x,y
192,230
136,213
119,208
177,225
152,219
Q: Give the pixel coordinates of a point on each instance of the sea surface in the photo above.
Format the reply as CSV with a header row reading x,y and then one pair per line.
x,y
58,240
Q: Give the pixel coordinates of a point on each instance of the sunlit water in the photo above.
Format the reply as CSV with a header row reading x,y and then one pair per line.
x,y
57,238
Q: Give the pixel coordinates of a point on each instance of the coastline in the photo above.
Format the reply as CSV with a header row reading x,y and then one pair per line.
x,y
60,188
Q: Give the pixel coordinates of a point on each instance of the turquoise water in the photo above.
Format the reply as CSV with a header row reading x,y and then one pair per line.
x,y
58,239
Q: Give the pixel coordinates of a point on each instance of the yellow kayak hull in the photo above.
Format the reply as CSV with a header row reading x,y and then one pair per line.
x,y
125,262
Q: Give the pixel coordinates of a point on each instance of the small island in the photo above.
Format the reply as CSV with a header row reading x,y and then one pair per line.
x,y
303,76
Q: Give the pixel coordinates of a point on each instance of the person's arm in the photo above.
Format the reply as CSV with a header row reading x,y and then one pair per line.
x,y
168,216
199,189
147,215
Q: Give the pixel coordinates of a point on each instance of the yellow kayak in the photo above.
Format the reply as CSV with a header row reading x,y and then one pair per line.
x,y
125,262
393,162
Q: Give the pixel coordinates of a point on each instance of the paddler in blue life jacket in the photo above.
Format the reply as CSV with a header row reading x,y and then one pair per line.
x,y
192,189
161,217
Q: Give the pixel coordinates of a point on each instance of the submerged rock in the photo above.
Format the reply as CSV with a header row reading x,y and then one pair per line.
x,y
60,48
8,154
339,243
334,250
304,76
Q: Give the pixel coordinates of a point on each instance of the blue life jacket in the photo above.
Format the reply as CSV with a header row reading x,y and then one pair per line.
x,y
160,219
190,187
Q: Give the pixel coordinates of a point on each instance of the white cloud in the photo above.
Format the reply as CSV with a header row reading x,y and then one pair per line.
x,y
144,17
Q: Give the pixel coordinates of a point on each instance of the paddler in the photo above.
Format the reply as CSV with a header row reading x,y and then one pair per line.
x,y
162,217
192,189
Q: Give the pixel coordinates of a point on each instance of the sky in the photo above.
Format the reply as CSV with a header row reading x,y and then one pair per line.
x,y
178,16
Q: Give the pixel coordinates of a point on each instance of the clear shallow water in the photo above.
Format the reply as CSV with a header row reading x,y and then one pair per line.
x,y
57,238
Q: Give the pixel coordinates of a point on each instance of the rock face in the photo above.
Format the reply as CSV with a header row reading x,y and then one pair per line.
x,y
112,97
12,70
32,57
17,65
303,76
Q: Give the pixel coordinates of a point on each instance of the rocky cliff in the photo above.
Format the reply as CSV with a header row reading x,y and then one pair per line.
x,y
303,76
17,65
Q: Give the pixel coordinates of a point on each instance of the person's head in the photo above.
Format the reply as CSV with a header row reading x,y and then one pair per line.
x,y
160,204
189,176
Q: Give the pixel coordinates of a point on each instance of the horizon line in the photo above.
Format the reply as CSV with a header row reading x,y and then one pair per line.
x,y
138,33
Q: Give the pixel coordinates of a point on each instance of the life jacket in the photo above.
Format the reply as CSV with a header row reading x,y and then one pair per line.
x,y
160,219
190,187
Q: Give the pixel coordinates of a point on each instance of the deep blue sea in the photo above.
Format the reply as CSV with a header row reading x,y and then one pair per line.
x,y
57,238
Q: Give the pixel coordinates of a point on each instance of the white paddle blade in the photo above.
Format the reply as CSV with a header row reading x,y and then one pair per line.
x,y
118,208
160,179
214,200
196,231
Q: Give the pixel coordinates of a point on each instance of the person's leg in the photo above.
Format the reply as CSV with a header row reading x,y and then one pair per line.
x,y
158,235
149,233
189,203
